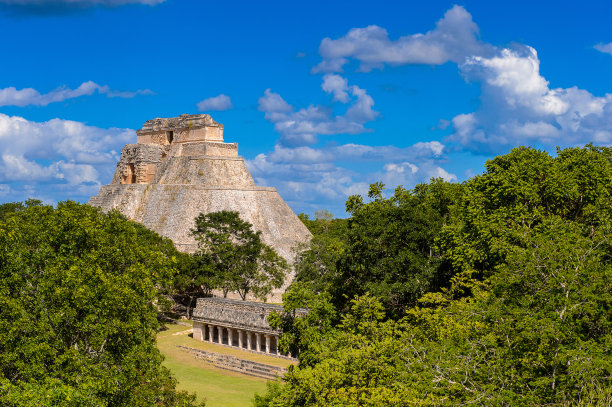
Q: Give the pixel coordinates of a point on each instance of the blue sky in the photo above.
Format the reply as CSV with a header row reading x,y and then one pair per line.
x,y
323,97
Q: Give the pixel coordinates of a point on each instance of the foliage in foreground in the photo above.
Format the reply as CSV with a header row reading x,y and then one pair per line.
x,y
525,315
540,334
386,247
79,295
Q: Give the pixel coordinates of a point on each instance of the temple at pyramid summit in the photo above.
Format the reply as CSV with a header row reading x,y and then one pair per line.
x,y
180,167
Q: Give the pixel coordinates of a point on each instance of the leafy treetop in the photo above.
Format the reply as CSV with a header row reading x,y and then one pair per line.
x,y
241,261
79,297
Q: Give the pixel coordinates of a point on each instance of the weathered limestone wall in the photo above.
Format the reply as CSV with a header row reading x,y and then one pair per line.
x,y
166,180
209,149
206,171
170,210
154,137
235,314
138,164
185,128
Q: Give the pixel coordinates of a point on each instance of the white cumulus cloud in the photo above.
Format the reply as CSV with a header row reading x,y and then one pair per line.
x,y
515,75
518,106
434,147
309,177
605,48
303,126
47,157
336,85
219,103
28,96
409,174
454,38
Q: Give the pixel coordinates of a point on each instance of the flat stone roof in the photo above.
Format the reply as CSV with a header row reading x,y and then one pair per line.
x,y
252,316
180,122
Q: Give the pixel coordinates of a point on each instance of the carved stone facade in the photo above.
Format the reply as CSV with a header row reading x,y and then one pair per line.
x,y
138,164
236,323
180,167
185,128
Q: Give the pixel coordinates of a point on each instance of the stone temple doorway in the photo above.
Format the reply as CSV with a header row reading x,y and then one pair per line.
x,y
129,175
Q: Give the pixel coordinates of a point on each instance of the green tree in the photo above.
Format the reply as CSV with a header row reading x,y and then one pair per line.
x,y
79,297
316,261
323,214
387,247
391,251
303,335
551,303
540,334
242,262
325,224
358,364
523,317
197,278
12,207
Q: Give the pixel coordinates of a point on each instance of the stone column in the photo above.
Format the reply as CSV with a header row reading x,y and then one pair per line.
x,y
249,345
267,343
210,333
230,334
258,341
240,338
220,335
198,327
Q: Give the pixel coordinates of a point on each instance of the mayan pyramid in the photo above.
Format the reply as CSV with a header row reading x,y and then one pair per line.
x,y
180,167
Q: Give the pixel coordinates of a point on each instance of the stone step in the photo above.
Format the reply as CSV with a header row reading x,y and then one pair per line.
x,y
236,364
251,373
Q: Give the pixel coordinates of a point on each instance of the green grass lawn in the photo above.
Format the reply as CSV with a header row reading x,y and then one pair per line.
x,y
219,387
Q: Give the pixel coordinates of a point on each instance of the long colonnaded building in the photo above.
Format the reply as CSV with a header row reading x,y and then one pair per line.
x,y
240,324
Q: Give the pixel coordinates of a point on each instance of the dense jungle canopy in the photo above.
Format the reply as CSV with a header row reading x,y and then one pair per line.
x,y
80,293
496,291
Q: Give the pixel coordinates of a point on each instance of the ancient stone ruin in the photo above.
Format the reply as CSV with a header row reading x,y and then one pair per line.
x,y
180,167
240,324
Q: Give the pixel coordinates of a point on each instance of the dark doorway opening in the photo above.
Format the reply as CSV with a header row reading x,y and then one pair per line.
x,y
129,175
170,136
132,174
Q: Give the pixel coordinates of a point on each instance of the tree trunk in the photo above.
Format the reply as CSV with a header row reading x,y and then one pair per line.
x,y
190,306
